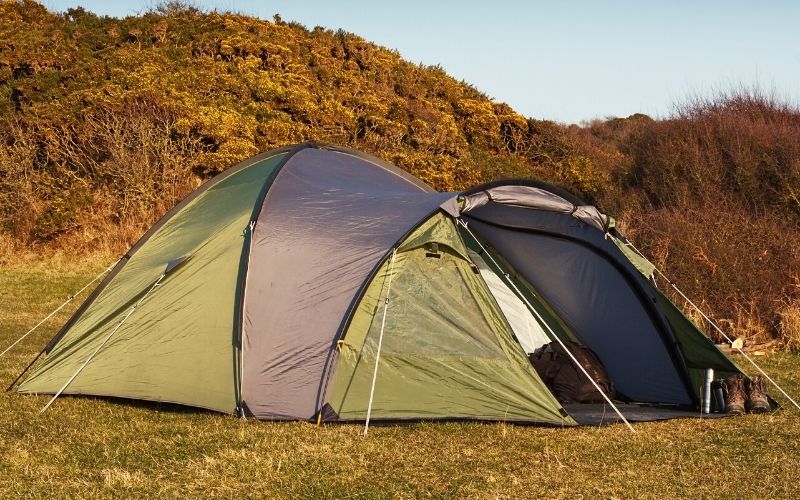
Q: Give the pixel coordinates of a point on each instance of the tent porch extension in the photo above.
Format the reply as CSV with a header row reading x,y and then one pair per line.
x,y
267,291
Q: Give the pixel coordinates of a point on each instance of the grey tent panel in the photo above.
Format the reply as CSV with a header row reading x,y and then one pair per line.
x,y
525,196
596,301
327,221
537,198
592,216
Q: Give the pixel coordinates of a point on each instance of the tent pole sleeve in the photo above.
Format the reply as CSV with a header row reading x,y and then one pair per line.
x,y
108,337
380,342
243,308
539,317
69,299
717,328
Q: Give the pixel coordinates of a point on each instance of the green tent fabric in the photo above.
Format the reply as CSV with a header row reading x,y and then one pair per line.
x,y
698,350
182,338
447,349
643,265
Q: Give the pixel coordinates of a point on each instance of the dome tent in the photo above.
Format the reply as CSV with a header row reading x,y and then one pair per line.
x,y
273,290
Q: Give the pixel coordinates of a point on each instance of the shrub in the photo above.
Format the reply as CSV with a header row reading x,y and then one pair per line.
x,y
742,142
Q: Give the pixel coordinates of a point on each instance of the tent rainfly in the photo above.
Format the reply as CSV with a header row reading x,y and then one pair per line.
x,y
318,283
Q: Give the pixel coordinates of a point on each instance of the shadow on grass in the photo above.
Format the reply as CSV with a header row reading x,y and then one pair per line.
x,y
141,404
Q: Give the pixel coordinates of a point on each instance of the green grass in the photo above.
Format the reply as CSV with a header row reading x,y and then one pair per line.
x,y
95,447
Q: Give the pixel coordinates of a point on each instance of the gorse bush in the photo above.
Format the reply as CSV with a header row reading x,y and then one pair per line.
x,y
122,166
106,123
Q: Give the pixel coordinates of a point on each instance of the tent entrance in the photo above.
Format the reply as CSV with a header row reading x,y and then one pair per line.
x,y
527,330
580,367
447,348
596,302
526,312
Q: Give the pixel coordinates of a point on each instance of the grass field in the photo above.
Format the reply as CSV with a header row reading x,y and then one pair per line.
x,y
92,447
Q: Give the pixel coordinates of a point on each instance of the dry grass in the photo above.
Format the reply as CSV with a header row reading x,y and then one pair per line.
x,y
90,447
789,326
747,323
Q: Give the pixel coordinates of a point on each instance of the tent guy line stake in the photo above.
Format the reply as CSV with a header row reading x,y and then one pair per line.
x,y
714,325
108,337
542,321
71,297
380,342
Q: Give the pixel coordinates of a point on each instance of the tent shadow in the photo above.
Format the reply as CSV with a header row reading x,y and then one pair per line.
x,y
143,404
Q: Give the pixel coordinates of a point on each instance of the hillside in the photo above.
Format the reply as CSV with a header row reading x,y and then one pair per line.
x,y
107,123
119,118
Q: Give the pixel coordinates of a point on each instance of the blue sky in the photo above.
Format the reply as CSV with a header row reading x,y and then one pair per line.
x,y
569,60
